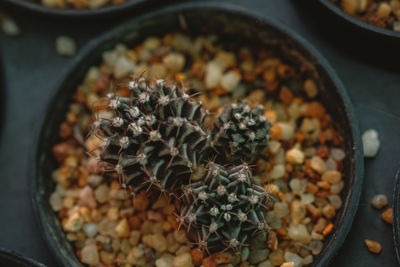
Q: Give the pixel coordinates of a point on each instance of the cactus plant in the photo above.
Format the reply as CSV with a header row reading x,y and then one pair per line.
x,y
241,133
155,138
224,209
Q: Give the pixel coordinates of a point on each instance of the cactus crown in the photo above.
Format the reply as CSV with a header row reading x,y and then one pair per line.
x,y
224,209
155,137
241,133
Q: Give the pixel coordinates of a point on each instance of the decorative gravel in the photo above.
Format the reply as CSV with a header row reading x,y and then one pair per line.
x,y
304,168
381,13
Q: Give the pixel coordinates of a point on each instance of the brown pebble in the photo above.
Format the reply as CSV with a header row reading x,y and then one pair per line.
x,y
288,264
387,215
65,130
373,246
197,256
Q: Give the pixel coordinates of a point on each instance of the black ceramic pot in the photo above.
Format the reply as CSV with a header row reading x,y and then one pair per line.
x,y
359,25
106,11
12,259
224,20
396,215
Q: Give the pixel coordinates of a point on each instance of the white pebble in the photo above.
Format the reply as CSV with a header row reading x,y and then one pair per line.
x,y
307,198
298,232
230,80
371,143
65,46
298,186
379,201
336,201
123,67
213,75
281,209
10,27
292,257
278,171
337,153
174,62
287,130
90,229
56,201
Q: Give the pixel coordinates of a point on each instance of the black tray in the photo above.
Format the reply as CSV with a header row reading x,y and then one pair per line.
x,y
32,67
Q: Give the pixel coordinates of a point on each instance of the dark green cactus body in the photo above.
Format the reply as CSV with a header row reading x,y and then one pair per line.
x,y
155,138
241,133
224,209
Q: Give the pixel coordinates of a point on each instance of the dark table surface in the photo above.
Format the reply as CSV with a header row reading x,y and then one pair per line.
x,y
370,71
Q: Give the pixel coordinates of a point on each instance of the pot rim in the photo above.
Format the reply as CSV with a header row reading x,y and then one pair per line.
x,y
357,22
396,214
18,258
357,163
107,10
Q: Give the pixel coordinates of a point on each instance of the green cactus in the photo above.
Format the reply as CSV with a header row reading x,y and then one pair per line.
x,y
241,133
155,138
224,209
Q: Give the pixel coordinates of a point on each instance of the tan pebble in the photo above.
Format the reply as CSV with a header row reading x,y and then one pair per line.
x,y
317,164
297,211
256,98
107,257
172,244
310,87
113,213
183,260
174,62
288,264
387,215
373,246
166,260
156,241
384,10
154,216
337,188
180,236
329,211
134,238
277,257
74,222
320,225
182,249
122,228
295,156
89,255
332,177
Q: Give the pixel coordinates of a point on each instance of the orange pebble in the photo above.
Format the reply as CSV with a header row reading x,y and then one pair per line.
x,y
315,110
299,137
328,229
387,215
324,185
275,132
373,246
286,95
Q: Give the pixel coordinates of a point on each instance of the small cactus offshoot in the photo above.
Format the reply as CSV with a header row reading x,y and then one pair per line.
x,y
155,138
224,209
241,133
